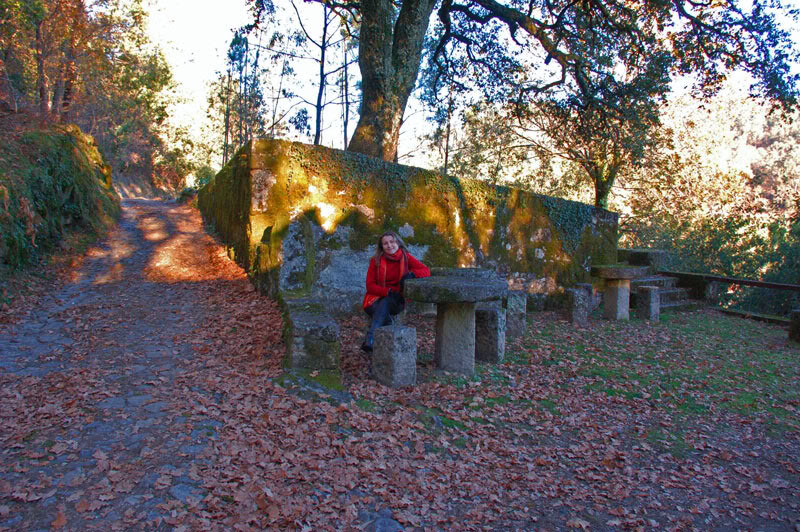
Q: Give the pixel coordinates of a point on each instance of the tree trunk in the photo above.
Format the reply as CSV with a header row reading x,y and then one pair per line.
x,y
58,89
603,178
70,74
389,58
227,119
323,48
41,78
345,97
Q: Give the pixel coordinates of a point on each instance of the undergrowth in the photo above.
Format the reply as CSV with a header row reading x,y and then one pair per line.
x,y
51,180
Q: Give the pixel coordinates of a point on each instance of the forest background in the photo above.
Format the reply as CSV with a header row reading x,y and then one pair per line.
x,y
706,168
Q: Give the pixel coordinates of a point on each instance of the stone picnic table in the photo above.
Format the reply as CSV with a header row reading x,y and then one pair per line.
x,y
616,300
455,296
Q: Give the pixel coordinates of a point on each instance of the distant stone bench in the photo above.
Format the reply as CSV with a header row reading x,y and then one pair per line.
x,y
617,297
311,335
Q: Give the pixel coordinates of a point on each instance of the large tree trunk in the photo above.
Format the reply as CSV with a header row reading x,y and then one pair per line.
x,y
389,57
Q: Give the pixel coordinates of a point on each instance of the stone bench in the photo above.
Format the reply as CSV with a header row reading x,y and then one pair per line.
x,y
490,333
578,305
311,335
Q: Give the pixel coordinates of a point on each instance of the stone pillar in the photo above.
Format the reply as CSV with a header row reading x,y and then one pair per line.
x,y
794,325
589,289
394,357
713,291
577,306
616,299
649,303
455,337
516,314
490,334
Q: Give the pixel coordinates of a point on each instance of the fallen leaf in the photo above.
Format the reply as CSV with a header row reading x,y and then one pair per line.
x,y
60,520
577,522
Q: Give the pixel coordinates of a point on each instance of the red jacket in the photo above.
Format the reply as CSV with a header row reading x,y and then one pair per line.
x,y
387,275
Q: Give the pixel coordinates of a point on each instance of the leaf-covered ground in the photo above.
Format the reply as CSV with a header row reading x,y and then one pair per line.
x,y
147,393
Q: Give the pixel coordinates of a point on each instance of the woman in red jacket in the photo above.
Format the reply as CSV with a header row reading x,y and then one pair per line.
x,y
388,270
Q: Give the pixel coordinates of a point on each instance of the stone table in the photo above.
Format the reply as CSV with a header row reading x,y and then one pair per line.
x,y
455,298
616,300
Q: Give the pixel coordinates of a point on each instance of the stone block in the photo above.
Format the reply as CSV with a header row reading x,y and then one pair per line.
x,y
616,299
394,358
577,306
516,314
794,325
490,334
454,349
594,299
311,335
649,303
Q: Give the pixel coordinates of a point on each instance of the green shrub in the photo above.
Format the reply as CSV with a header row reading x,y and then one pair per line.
x,y
50,180
735,247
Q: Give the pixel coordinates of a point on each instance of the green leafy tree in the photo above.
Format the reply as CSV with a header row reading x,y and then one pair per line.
x,y
517,51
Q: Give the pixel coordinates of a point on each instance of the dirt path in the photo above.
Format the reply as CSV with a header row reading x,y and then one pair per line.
x,y
147,394
97,395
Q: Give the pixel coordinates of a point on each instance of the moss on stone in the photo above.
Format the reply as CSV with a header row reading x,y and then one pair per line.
x,y
462,222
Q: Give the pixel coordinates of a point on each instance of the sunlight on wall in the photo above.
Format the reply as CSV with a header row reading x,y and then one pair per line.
x,y
327,214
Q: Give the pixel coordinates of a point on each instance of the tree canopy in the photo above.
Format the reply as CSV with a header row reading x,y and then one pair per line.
x,y
581,51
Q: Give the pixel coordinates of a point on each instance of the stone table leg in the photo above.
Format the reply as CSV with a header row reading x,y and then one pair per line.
x,y
455,337
617,299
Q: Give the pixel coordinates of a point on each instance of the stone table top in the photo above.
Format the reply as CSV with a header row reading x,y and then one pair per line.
x,y
619,271
455,289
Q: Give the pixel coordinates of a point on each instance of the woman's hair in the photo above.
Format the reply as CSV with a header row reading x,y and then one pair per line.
x,y
379,250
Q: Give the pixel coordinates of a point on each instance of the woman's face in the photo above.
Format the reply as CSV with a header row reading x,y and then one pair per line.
x,y
389,245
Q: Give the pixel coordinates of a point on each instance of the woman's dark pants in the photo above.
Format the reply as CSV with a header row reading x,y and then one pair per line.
x,y
381,312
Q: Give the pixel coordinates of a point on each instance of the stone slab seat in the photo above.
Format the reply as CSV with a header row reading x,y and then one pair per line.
x,y
311,335
455,298
394,358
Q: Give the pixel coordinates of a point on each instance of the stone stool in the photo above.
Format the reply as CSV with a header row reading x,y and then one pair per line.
x,y
394,356
578,306
649,303
794,325
589,288
490,334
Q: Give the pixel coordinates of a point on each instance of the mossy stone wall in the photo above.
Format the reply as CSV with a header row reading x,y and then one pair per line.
x,y
303,220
